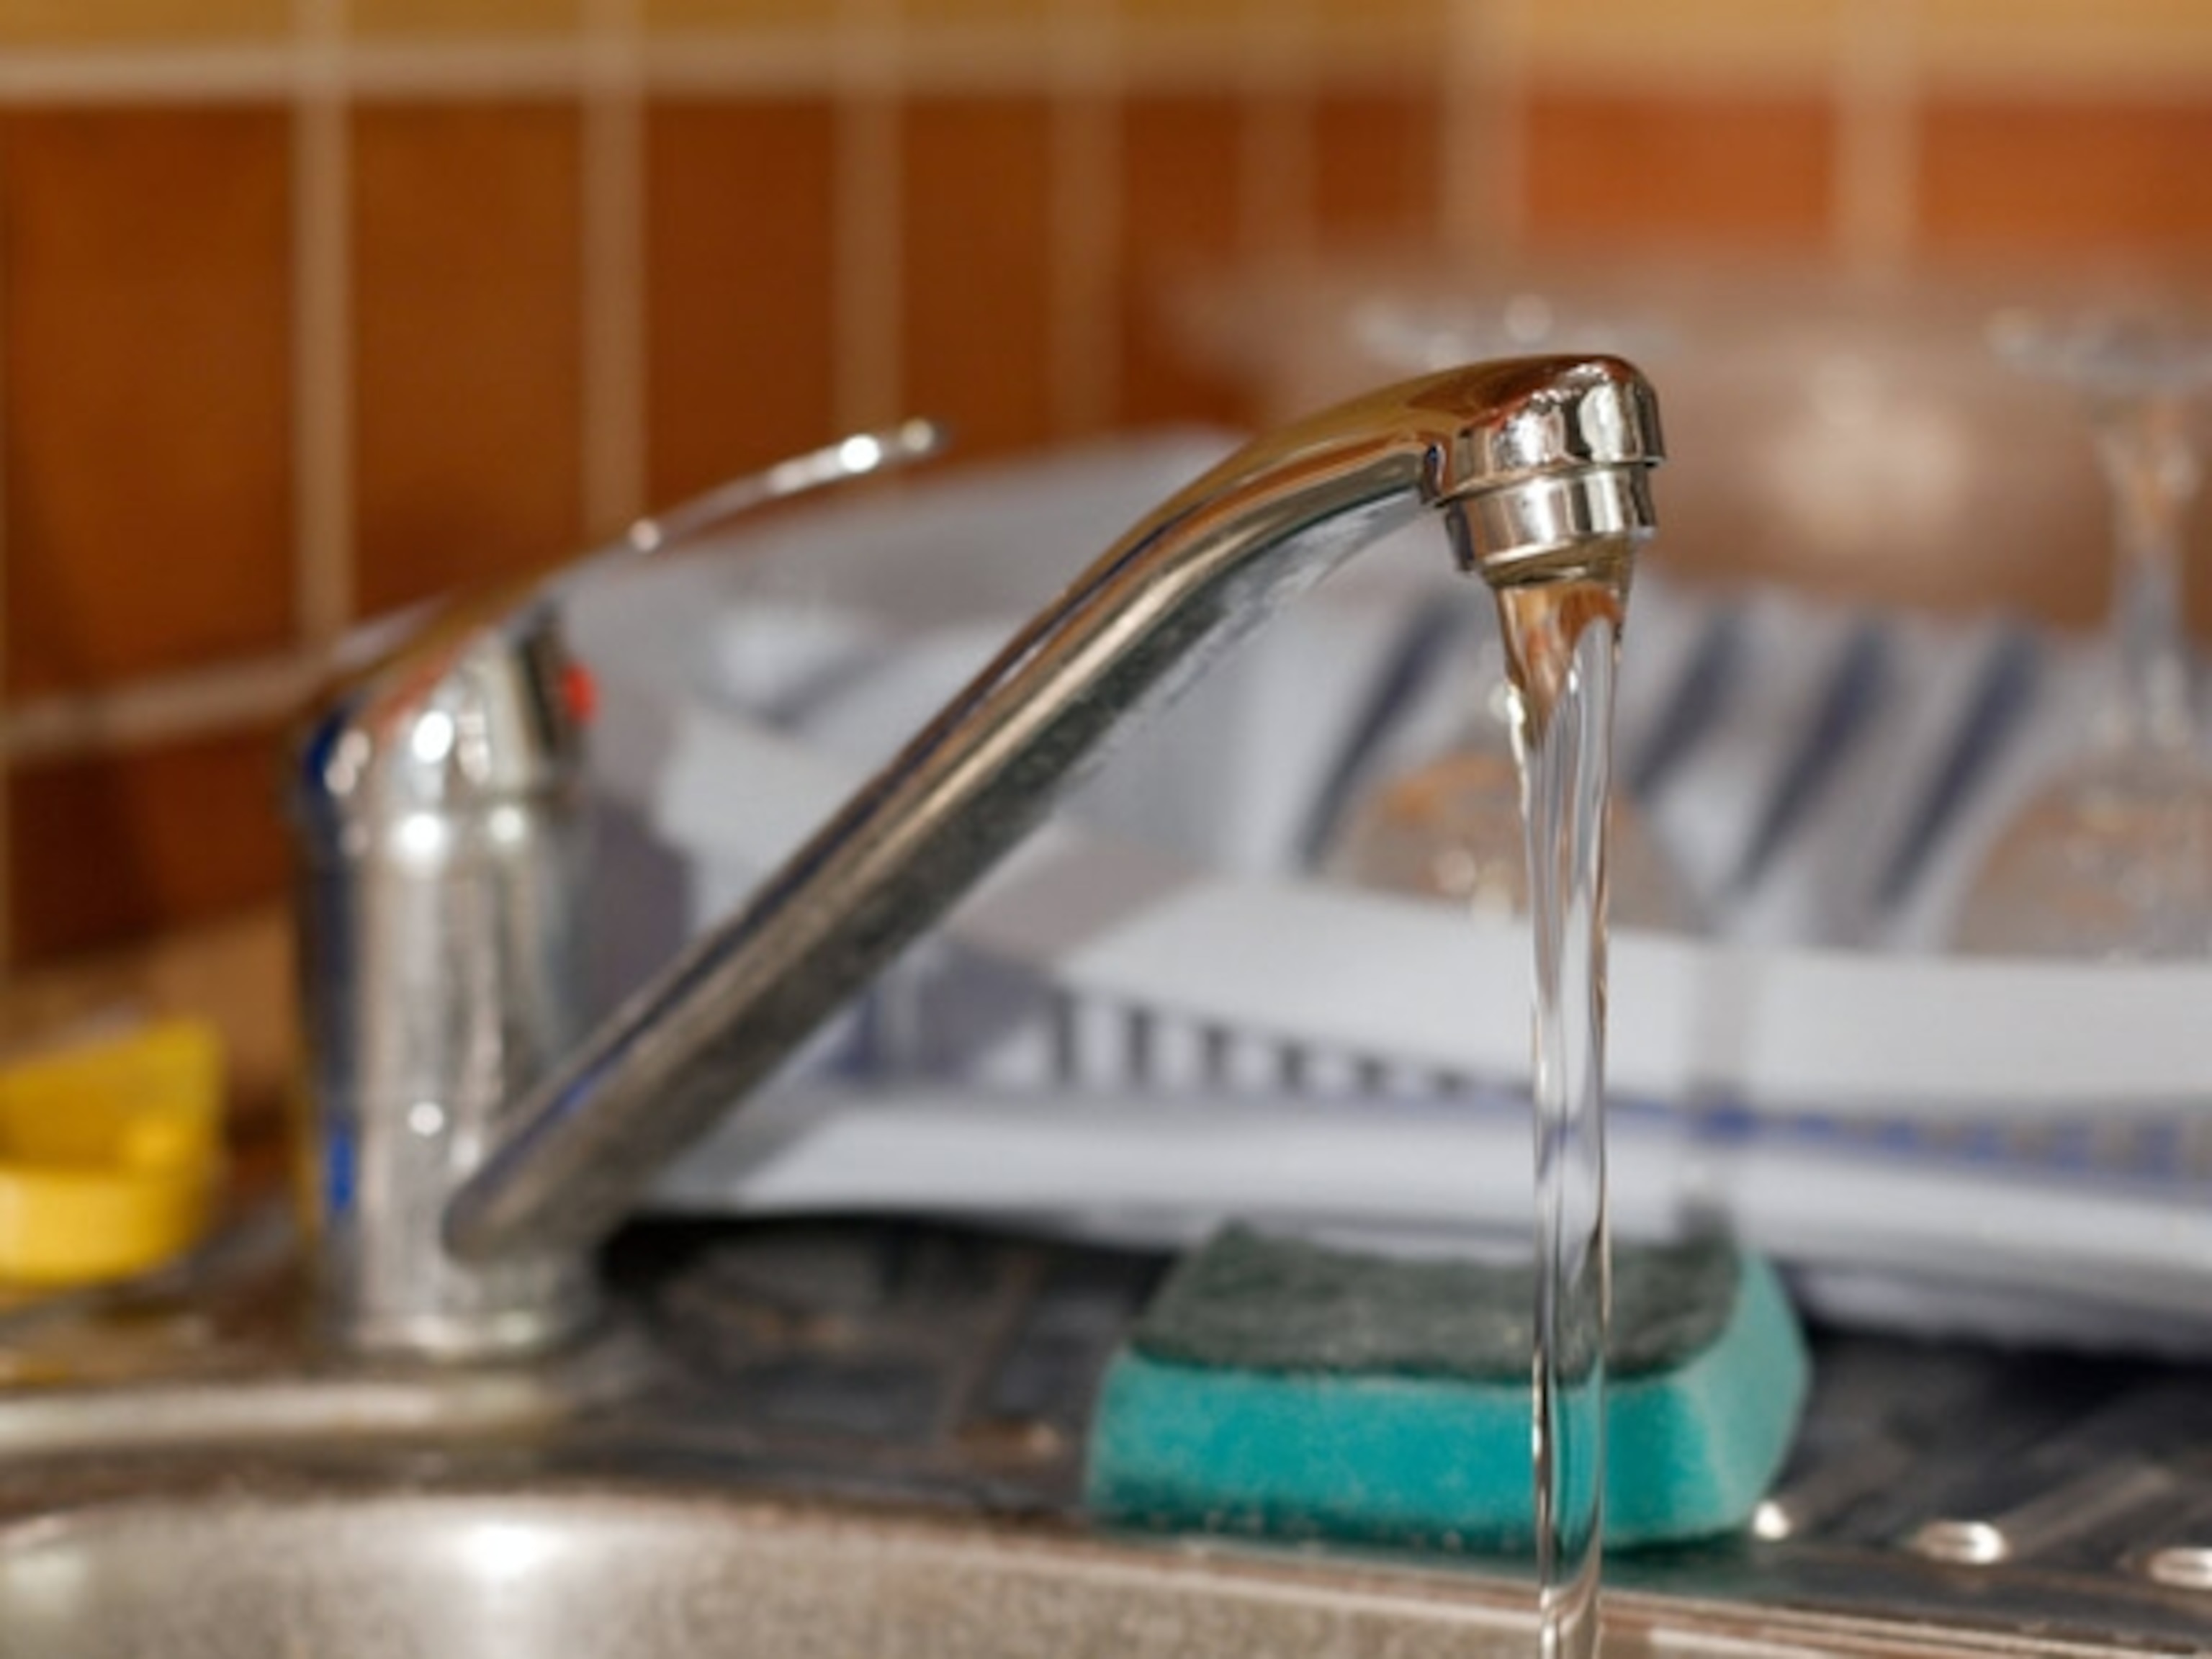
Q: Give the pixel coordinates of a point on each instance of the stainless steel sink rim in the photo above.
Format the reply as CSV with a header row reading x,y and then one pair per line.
x,y
273,1556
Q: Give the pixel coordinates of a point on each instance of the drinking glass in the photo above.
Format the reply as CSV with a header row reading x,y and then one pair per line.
x,y
1448,825
2112,856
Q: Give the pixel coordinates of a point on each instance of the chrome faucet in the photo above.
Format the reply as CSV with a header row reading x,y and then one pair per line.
x,y
437,801
1539,468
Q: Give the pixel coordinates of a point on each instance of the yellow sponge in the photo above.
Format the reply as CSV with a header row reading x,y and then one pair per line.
x,y
110,1154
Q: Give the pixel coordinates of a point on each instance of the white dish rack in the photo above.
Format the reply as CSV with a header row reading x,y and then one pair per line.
x,y
1153,1017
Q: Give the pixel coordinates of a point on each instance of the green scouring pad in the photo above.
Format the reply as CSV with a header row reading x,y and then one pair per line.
x,y
1275,1386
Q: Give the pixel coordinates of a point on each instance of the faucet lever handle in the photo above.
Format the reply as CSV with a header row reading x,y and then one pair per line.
x,y
437,799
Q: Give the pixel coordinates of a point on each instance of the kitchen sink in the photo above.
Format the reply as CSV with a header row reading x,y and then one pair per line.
x,y
606,1573
866,1439
276,1562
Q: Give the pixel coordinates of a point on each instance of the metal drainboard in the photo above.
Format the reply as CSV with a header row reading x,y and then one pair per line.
x,y
1974,1490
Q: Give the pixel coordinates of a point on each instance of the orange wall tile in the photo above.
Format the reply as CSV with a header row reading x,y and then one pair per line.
x,y
1709,172
1662,44
107,848
467,257
1181,223
740,253
140,22
2058,41
1376,161
2066,177
147,393
718,15
998,13
463,17
1213,14
975,215
1351,20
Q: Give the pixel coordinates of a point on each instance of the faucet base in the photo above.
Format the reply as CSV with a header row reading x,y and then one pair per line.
x,y
515,1310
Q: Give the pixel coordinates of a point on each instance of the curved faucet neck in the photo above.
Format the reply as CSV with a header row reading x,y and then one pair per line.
x,y
1538,464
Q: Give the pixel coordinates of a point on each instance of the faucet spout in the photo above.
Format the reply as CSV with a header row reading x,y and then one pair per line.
x,y
1540,467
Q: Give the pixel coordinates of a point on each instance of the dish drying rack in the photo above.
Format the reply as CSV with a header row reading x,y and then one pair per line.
x,y
1157,1015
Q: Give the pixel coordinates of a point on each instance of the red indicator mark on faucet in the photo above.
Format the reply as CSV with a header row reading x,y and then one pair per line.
x,y
579,693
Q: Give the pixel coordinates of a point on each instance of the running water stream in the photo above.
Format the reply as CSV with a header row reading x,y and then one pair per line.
x,y
1562,635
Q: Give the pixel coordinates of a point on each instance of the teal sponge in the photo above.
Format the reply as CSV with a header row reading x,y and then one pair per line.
x,y
1279,1387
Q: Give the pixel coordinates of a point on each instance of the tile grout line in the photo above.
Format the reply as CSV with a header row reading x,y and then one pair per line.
x,y
236,693
1877,140
612,224
816,61
867,259
1482,184
7,942
322,358
802,61
149,74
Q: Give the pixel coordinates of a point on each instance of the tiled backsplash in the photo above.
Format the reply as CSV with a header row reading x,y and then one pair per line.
x,y
308,309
